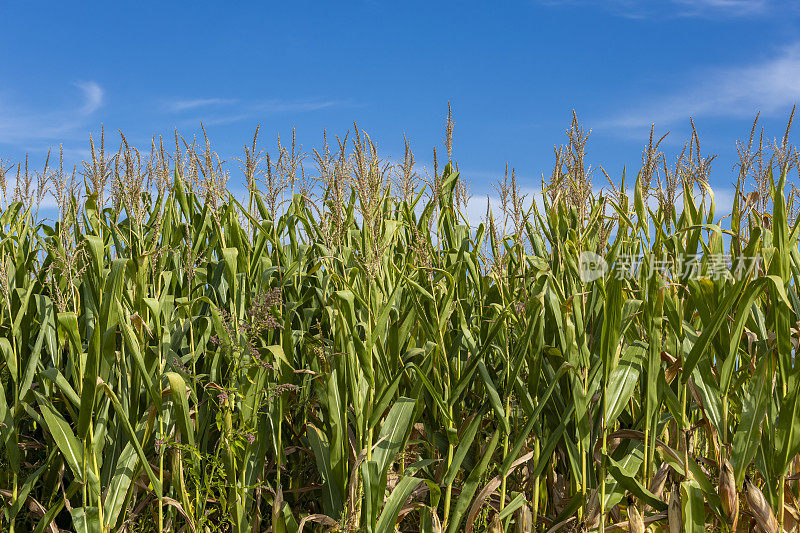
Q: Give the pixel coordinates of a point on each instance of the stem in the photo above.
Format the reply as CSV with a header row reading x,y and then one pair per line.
x,y
449,490
584,455
509,388
536,486
505,453
279,446
15,476
684,431
645,462
582,508
161,448
194,392
448,496
13,500
724,436
603,470
96,469
161,482
781,499
450,447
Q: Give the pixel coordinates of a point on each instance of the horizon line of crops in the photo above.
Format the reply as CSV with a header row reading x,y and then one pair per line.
x,y
343,349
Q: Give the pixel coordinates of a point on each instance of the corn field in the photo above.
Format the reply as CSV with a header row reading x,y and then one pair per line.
x,y
339,348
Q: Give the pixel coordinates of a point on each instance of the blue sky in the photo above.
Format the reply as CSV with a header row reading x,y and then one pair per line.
x,y
513,71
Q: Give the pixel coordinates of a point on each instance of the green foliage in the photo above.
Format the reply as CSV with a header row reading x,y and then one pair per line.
x,y
358,355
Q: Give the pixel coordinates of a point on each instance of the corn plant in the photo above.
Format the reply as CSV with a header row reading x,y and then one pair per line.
x,y
342,349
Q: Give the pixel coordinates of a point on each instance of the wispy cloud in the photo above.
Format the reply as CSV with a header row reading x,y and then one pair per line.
x,y
18,124
93,95
183,105
281,106
675,8
770,87
216,111
727,7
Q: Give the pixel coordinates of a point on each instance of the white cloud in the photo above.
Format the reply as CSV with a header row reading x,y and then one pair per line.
x,y
183,105
237,111
282,106
771,87
93,94
675,8
18,124
728,7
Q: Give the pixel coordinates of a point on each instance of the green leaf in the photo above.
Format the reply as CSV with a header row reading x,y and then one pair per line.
x,y
787,434
8,432
692,507
612,317
393,433
86,520
395,502
331,494
124,471
128,428
181,404
630,483
463,447
63,436
471,485
622,381
748,433
494,398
